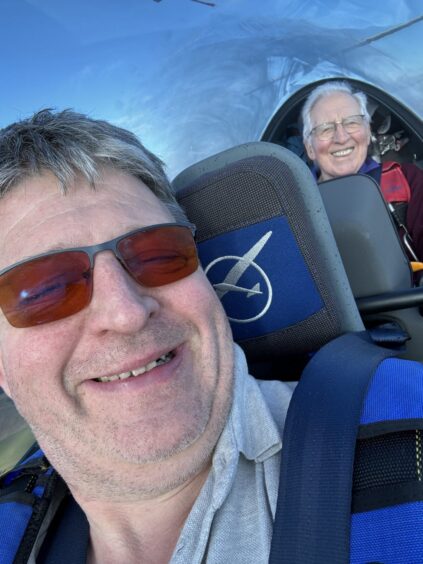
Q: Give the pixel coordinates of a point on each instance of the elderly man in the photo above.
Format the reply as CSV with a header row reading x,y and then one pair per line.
x,y
117,352
337,135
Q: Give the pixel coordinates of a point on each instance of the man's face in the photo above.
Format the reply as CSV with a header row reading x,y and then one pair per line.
x,y
90,429
345,153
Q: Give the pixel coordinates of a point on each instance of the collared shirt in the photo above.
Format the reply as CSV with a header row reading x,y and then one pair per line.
x,y
232,518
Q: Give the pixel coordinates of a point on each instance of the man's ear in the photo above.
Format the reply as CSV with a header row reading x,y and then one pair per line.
x,y
310,151
369,133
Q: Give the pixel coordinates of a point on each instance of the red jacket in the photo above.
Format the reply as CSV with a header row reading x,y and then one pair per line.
x,y
404,183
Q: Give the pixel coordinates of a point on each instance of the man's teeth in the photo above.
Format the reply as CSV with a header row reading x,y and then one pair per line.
x,y
342,153
124,375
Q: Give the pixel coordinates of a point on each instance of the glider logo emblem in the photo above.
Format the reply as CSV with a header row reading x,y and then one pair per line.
x,y
230,283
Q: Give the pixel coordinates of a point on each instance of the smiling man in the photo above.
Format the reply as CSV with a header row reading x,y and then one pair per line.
x,y
337,136
116,350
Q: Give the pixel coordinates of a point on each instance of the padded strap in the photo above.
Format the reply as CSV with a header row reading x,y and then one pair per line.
x,y
312,522
68,537
394,184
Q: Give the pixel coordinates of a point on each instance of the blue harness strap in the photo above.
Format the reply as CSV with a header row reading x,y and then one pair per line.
x,y
313,515
25,495
68,537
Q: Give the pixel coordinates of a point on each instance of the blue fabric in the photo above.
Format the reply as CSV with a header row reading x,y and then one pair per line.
x,y
38,491
314,504
368,165
14,516
265,251
13,521
393,391
392,535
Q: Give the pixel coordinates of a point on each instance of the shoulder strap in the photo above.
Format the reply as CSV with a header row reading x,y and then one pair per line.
x,y
25,496
397,194
394,184
312,522
68,537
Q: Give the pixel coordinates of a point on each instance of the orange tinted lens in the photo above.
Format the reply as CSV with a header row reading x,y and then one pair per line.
x,y
160,256
46,289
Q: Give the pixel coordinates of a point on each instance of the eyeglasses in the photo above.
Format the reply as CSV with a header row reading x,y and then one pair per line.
x,y
326,131
57,284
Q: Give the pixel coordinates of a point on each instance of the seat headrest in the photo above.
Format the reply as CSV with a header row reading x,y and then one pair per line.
x,y
265,243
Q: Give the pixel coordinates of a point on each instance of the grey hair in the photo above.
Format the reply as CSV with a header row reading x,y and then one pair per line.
x,y
326,89
70,144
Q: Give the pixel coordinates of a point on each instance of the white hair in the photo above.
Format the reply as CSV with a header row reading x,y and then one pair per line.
x,y
324,90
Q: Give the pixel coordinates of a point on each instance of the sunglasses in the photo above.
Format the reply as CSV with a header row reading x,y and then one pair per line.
x,y
54,285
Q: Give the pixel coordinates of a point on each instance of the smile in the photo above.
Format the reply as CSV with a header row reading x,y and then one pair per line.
x,y
343,152
165,358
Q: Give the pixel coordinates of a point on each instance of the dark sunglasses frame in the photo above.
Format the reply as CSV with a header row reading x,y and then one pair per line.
x,y
93,250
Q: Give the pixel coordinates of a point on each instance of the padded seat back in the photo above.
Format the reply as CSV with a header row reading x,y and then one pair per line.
x,y
374,258
267,247
366,235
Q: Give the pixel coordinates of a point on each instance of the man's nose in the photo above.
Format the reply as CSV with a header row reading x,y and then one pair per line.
x,y
118,303
340,135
